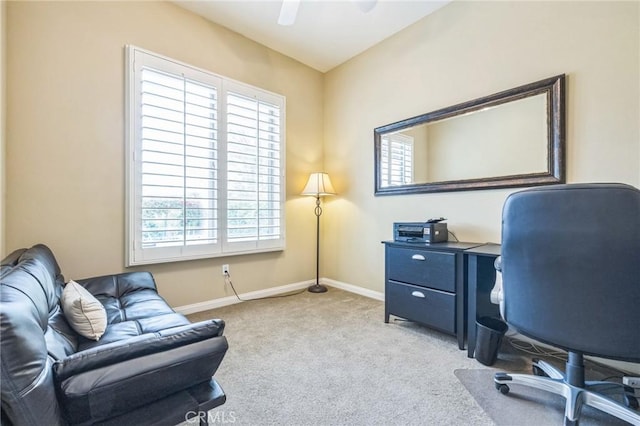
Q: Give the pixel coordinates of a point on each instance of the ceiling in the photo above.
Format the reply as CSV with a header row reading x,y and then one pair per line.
x,y
325,34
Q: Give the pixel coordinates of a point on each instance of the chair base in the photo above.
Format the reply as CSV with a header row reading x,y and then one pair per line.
x,y
590,393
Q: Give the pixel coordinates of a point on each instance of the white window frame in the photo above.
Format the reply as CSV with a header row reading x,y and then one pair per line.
x,y
136,254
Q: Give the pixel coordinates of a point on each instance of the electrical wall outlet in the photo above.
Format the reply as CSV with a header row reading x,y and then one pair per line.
x,y
225,269
634,382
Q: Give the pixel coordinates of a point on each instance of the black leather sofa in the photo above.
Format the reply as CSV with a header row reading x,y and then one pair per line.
x,y
151,366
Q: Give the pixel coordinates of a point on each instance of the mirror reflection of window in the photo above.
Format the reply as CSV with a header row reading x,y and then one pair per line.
x,y
396,160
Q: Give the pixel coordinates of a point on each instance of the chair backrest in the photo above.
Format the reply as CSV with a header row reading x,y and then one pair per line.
x,y
571,267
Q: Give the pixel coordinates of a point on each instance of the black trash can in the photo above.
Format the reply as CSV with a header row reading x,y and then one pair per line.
x,y
489,333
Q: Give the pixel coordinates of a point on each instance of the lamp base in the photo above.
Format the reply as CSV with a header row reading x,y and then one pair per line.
x,y
317,288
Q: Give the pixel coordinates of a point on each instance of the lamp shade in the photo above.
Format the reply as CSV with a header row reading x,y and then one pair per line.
x,y
318,185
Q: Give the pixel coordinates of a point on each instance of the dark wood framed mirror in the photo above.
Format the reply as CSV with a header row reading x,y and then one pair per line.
x,y
508,139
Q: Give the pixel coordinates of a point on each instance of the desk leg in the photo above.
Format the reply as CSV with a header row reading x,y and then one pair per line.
x,y
461,306
472,305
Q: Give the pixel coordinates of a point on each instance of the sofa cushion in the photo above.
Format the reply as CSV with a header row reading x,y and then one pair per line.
x,y
128,297
85,313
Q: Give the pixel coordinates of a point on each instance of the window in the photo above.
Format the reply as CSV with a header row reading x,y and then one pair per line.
x,y
397,160
205,163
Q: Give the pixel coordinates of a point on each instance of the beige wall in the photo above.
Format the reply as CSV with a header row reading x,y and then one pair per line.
x,y
3,127
65,147
464,51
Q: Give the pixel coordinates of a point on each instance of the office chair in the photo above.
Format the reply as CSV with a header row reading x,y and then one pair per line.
x,y
571,278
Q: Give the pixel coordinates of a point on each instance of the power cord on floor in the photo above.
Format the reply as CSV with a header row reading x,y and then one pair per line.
x,y
227,280
533,349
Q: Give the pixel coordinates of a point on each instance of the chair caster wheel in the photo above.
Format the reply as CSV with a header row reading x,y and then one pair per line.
x,y
631,402
568,422
504,389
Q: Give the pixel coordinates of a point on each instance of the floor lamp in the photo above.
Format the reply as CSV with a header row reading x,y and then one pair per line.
x,y
318,186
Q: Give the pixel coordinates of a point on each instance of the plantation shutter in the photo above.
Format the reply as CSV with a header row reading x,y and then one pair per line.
x,y
205,163
397,160
178,161
254,171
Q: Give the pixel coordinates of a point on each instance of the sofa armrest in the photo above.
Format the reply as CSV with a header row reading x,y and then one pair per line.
x,y
119,377
139,346
112,390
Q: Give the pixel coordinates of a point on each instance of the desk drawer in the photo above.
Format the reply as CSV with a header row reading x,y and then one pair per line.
x,y
430,307
434,269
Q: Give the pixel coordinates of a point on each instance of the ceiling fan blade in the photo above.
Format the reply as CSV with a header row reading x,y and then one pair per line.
x,y
288,12
366,5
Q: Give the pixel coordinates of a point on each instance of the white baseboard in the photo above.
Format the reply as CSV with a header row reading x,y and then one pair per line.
x,y
274,291
230,300
377,295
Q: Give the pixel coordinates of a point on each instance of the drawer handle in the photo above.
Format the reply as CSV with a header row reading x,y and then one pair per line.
x,y
417,257
418,294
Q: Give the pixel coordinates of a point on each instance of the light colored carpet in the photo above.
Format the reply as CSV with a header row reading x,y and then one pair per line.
x,y
329,359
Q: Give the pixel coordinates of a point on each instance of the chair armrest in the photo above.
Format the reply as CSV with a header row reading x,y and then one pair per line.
x,y
496,296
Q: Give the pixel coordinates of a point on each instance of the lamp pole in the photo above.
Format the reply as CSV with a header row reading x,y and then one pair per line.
x,y
317,287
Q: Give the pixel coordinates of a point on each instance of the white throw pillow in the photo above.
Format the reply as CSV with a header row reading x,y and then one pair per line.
x,y
83,312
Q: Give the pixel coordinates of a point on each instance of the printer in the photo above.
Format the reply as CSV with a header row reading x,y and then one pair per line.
x,y
431,231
